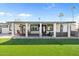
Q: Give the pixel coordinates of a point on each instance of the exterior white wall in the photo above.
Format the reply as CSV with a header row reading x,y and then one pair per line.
x,y
57,27
64,27
73,27
5,30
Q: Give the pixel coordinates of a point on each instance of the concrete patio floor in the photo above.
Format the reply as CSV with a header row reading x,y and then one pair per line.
x,y
44,37
6,36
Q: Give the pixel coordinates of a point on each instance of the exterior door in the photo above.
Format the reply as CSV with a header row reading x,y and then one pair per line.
x,y
44,29
22,29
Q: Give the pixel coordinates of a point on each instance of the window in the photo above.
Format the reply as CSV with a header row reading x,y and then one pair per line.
x,y
61,28
50,27
0,26
5,26
34,27
9,27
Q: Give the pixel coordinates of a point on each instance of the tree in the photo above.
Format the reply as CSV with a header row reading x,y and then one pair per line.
x,y
72,10
61,14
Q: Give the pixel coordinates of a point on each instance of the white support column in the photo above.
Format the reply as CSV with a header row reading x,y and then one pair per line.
x,y
12,29
54,29
69,30
40,30
29,27
26,29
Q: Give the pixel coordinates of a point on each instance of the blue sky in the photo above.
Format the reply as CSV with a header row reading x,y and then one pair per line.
x,y
32,11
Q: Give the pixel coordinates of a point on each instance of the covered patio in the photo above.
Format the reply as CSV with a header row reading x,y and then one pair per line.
x,y
42,29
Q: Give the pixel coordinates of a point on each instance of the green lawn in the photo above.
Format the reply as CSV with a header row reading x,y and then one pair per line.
x,y
39,47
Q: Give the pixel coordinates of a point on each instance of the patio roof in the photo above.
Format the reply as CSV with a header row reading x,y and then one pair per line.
x,y
41,21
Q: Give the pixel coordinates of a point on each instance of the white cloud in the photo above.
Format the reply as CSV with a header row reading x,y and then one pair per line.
x,y
50,6
5,14
24,15
8,14
2,13
53,6
76,18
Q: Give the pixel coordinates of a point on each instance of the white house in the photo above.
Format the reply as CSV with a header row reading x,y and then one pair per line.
x,y
39,28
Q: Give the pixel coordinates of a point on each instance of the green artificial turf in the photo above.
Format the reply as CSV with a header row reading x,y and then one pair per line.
x,y
2,40
39,47
39,50
39,41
